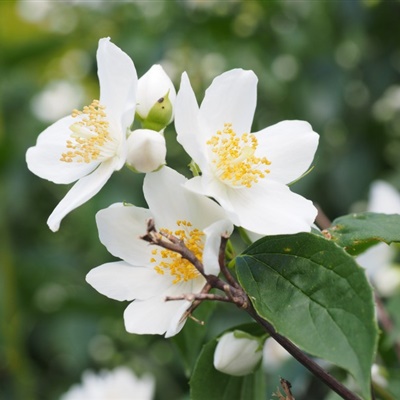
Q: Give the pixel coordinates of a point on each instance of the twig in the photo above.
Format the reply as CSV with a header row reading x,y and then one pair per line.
x,y
199,297
322,221
222,264
172,243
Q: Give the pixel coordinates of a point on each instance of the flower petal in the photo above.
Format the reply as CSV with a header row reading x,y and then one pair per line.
x,y
170,201
272,209
231,98
122,281
82,191
152,316
44,158
186,122
290,146
120,227
213,242
209,186
118,82
178,320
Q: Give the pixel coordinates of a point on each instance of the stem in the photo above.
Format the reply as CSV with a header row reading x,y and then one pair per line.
x,y
322,221
199,297
222,265
310,364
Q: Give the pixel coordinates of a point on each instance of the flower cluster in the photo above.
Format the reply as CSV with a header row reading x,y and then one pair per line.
x,y
241,178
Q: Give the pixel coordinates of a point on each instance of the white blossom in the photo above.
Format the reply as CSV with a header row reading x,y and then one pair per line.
x,y
147,273
247,173
89,145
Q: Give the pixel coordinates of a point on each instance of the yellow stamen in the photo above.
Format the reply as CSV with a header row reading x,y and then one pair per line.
x,y
169,261
90,135
234,158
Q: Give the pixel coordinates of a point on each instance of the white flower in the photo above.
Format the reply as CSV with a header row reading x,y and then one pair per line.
x,y
89,145
155,99
149,273
247,173
274,355
119,384
236,354
146,150
377,260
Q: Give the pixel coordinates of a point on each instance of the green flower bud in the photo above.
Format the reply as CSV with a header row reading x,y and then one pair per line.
x,y
155,99
159,115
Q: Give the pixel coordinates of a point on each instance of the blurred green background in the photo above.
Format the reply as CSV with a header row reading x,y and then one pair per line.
x,y
335,64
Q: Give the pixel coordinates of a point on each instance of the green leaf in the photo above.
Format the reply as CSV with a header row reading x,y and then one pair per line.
x,y
357,232
211,384
314,294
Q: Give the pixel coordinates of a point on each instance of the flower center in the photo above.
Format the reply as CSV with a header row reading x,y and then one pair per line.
x,y
234,160
90,137
169,261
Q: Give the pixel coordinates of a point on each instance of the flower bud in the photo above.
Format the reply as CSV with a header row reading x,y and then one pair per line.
x,y
155,99
237,353
146,150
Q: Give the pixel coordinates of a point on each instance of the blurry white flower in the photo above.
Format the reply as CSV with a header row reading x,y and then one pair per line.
x,y
377,260
57,99
155,99
89,145
119,384
274,355
148,273
237,353
247,173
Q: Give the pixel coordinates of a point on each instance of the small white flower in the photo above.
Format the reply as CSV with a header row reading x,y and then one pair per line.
x,y
378,260
119,384
89,145
247,173
149,273
237,355
146,150
155,99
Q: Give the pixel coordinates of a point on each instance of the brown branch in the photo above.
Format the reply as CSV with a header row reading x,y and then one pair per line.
x,y
170,242
322,221
222,265
199,297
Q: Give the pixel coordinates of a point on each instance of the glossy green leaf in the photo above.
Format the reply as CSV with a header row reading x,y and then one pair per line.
x,y
315,294
208,383
356,232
